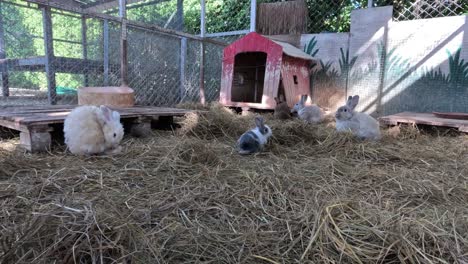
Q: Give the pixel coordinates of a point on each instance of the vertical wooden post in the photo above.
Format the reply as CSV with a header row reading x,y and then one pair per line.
x,y
123,43
180,15
202,52
253,15
84,45
5,84
183,64
49,55
106,52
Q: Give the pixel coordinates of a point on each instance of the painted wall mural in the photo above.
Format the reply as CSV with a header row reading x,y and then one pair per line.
x,y
419,65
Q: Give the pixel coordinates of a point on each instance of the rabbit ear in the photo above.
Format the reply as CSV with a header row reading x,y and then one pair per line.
x,y
277,100
259,122
115,115
304,98
353,101
106,113
281,98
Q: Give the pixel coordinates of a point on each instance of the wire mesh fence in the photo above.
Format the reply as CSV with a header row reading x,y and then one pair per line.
x,y
163,68
410,10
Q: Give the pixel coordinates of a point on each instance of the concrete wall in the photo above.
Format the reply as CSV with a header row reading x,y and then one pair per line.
x,y
328,84
418,65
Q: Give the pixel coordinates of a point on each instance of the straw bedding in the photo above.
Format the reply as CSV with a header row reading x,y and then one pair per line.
x,y
185,196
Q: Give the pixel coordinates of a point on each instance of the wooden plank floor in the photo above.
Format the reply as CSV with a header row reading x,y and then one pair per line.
x,y
20,118
424,119
37,122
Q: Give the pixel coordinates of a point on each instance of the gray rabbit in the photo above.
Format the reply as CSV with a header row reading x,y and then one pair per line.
x,y
254,140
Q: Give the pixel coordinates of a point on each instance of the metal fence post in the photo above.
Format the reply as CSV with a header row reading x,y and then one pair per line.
x,y
84,44
183,63
180,15
106,52
253,15
123,43
370,3
202,53
49,55
5,88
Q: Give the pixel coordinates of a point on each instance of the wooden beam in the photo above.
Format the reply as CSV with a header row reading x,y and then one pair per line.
x,y
37,139
5,83
62,65
135,24
63,3
107,5
49,55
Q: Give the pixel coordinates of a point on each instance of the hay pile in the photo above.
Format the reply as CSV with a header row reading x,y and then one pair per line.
x,y
312,197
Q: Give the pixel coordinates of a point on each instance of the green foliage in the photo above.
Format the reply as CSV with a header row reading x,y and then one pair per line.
x,y
221,15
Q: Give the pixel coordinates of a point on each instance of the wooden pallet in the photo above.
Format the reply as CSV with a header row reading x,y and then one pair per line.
x,y
424,119
36,123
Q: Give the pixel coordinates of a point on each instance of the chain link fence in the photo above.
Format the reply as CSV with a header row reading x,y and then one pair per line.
x,y
422,9
164,69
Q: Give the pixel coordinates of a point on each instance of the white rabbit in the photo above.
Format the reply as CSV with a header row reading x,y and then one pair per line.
x,y
361,125
253,140
311,114
93,130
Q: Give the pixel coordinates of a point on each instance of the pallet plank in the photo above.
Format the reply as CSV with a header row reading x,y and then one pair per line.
x,y
424,119
20,118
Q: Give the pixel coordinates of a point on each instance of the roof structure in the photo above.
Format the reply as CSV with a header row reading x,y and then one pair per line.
x,y
97,6
292,51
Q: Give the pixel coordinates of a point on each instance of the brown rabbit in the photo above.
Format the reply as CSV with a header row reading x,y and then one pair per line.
x,y
282,110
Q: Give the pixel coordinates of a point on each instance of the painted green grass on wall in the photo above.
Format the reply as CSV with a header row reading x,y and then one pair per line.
x,y
458,69
395,65
344,61
346,64
310,47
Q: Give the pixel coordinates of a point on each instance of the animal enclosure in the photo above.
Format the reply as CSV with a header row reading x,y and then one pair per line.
x,y
51,50
183,194
257,69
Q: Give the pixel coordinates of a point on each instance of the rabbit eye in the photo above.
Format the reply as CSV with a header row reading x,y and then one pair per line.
x,y
115,134
346,110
